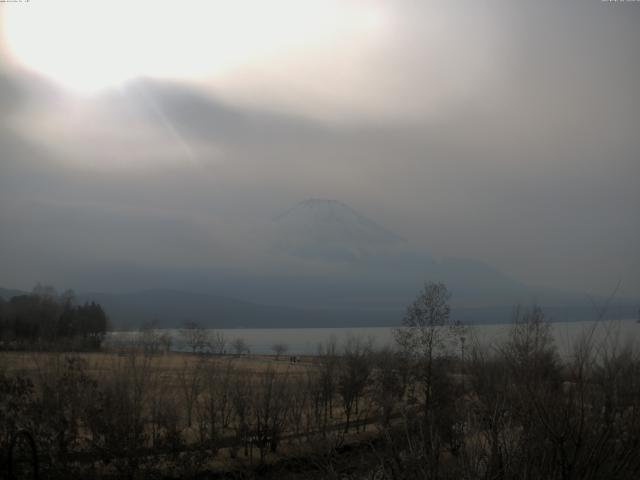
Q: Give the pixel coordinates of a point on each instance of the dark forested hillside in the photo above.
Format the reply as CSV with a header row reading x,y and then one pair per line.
x,y
44,317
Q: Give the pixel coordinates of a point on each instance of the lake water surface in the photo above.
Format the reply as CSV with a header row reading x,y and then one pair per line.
x,y
301,341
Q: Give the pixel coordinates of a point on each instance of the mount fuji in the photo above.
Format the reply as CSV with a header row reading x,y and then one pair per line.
x,y
321,263
360,262
329,230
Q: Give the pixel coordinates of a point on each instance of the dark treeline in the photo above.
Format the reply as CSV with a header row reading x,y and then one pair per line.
x,y
48,319
437,406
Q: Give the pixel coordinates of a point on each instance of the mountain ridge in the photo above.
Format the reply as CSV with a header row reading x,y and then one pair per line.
x,y
170,308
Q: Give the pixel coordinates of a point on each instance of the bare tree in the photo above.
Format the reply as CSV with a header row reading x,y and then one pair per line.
x,y
194,336
328,359
190,381
423,338
425,330
166,341
353,376
241,394
214,403
148,337
116,417
299,404
270,399
388,388
240,346
279,349
217,343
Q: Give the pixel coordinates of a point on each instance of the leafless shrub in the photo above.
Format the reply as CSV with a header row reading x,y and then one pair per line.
x,y
240,346
353,376
279,349
148,339
217,343
269,407
194,336
241,391
214,407
300,406
17,410
190,379
327,378
388,387
116,418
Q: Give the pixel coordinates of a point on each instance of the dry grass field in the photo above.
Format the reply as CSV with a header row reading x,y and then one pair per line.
x,y
97,363
228,410
357,413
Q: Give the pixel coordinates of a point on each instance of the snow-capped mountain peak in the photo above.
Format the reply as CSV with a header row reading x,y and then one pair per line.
x,y
329,230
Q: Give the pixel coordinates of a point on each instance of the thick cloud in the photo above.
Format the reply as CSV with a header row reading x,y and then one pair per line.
x,y
503,132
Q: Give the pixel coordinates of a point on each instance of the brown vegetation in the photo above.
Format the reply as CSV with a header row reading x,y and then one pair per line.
x,y
422,411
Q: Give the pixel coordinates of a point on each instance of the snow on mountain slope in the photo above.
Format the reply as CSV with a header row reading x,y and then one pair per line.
x,y
329,230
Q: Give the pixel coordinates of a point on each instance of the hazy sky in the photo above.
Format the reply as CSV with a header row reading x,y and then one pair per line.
x,y
158,133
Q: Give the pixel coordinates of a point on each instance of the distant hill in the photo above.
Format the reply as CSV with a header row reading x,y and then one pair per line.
x,y
171,308
7,293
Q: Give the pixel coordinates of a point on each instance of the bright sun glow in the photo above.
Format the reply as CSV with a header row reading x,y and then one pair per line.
x,y
88,45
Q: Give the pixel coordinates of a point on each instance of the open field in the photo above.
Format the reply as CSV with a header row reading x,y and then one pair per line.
x,y
223,411
28,363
